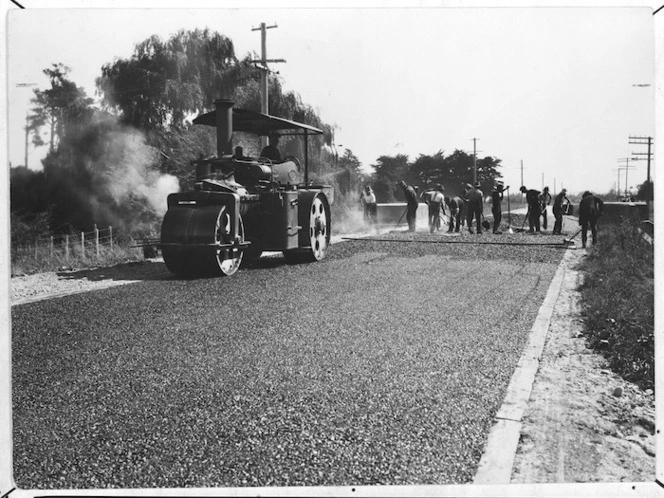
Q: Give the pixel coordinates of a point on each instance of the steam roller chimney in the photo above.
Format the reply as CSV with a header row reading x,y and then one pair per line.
x,y
224,117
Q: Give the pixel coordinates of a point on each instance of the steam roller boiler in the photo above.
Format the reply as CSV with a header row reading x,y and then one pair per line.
x,y
242,206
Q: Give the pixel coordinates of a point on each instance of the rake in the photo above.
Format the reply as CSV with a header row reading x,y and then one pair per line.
x,y
570,241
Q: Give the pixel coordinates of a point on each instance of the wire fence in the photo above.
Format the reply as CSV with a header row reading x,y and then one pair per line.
x,y
100,246
81,245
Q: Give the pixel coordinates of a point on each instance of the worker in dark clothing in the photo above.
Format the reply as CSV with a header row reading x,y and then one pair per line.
x,y
411,207
474,205
545,200
534,209
496,210
239,153
270,151
456,206
590,209
559,208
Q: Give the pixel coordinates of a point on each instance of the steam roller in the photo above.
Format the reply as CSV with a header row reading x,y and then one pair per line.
x,y
242,206
200,241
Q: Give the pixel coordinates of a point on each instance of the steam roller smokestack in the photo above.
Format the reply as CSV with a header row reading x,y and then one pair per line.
x,y
224,117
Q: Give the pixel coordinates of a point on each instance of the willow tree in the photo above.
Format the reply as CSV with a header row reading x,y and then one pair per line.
x,y
166,83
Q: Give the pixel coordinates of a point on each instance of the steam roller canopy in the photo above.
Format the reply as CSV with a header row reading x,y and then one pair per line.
x,y
192,238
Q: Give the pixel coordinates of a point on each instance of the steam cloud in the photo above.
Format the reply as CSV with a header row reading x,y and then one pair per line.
x,y
129,171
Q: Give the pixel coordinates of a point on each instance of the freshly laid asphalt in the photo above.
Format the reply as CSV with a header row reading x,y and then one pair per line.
x,y
385,363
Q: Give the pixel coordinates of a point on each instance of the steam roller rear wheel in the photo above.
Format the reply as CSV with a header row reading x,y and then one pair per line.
x,y
191,239
315,232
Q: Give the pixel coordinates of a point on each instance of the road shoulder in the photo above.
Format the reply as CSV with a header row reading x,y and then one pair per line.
x,y
581,422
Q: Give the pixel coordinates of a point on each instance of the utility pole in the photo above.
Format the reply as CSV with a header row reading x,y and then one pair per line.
x,y
27,132
626,168
27,129
644,141
474,161
265,70
618,184
521,172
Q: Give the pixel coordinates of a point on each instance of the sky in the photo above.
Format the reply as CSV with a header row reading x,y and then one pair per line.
x,y
557,91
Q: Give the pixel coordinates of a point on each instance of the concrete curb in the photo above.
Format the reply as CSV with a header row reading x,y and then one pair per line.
x,y
496,464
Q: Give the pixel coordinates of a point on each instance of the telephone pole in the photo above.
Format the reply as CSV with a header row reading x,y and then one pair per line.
x,y
618,184
627,167
265,70
27,125
644,141
474,161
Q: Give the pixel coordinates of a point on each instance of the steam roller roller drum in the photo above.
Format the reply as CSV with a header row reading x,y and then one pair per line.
x,y
314,238
191,238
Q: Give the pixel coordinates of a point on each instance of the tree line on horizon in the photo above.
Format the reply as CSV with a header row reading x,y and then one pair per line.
x,y
105,161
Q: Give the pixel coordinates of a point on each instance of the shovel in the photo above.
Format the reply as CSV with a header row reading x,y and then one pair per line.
x,y
485,224
524,221
509,213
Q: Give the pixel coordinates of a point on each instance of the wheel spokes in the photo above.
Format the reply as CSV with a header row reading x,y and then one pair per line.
x,y
318,228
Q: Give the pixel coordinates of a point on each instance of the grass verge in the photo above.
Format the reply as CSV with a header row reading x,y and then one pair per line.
x,y
618,303
29,262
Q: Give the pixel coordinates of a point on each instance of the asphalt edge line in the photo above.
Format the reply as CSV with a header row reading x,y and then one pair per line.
x,y
496,464
60,294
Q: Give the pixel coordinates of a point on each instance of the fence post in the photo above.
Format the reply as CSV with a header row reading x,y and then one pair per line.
x,y
97,240
51,247
67,247
110,236
83,244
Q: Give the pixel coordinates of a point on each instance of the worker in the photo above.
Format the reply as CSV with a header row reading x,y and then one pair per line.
x,y
411,204
545,200
368,201
559,208
496,198
270,151
239,153
590,209
426,197
534,208
474,204
436,205
456,206
433,198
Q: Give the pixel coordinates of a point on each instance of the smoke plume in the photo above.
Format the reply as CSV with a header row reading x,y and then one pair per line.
x,y
130,174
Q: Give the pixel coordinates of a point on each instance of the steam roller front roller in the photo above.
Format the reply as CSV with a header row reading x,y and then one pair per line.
x,y
197,242
314,236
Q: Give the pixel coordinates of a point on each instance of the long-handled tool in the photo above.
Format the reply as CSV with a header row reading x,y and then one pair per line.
x,y
485,223
524,221
509,213
570,241
402,215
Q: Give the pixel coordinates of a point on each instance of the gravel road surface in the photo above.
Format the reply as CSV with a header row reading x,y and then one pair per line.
x,y
383,364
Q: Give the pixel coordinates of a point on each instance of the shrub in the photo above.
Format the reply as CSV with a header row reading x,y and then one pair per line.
x,y
618,301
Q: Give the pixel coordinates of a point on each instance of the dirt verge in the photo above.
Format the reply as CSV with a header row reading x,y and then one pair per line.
x,y
583,422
